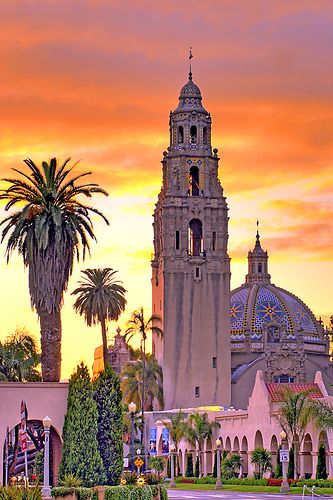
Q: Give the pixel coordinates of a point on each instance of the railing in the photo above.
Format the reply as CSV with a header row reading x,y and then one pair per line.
x,y
313,492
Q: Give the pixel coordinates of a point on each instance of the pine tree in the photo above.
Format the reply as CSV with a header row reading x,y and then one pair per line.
x,y
189,465
278,469
291,464
80,453
321,472
197,467
108,398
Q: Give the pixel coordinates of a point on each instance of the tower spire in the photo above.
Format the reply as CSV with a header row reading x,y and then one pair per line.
x,y
190,57
257,263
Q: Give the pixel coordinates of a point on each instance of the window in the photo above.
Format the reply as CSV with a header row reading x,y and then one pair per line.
x,y
197,392
284,379
214,362
197,272
193,134
180,135
260,267
253,269
214,241
177,240
195,239
194,181
205,135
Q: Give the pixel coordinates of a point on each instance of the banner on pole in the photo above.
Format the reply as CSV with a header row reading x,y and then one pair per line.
x,y
152,442
165,441
23,432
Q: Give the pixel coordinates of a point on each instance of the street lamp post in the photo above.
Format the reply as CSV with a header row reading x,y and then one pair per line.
x,y
46,490
132,410
218,484
284,445
172,464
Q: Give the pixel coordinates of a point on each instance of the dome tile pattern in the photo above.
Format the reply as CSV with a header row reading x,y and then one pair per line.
x,y
255,304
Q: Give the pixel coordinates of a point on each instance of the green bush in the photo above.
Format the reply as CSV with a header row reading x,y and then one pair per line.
x,y
14,493
189,465
135,492
108,398
319,483
321,472
81,493
80,452
70,481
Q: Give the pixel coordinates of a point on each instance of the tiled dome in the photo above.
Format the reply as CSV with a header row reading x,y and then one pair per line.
x,y
254,304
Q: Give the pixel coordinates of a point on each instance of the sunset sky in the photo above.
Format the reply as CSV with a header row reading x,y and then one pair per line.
x,y
96,80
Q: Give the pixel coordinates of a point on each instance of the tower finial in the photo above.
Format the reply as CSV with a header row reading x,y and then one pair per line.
x,y
190,57
257,228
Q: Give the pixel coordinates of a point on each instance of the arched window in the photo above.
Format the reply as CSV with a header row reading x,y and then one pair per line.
x,y
193,134
253,268
194,181
195,239
180,135
205,135
260,267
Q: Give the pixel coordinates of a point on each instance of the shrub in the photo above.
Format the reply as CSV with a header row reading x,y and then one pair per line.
x,y
14,493
80,453
189,465
108,398
70,480
197,467
321,472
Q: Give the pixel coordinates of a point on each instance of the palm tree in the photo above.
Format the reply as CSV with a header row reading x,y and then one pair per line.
x,y
51,228
176,426
231,465
131,383
262,458
101,298
198,430
296,412
19,358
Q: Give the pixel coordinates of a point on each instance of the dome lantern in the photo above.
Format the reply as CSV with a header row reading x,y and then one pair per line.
x,y
258,263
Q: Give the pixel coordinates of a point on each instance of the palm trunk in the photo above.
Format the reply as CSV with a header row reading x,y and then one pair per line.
x,y
50,332
105,342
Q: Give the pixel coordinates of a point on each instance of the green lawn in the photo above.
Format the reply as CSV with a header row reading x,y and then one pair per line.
x,y
249,489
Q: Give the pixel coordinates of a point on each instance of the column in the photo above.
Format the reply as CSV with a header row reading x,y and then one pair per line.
x,y
301,455
251,467
314,455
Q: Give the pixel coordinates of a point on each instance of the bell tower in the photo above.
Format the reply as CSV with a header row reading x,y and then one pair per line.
x,y
191,266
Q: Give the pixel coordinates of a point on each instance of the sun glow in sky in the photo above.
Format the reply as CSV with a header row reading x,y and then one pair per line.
x,y
96,79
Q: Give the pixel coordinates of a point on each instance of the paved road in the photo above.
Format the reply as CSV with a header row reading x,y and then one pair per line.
x,y
229,495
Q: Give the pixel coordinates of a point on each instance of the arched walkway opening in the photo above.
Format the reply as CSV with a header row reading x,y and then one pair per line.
x,y
258,441
35,448
245,457
307,456
227,446
322,441
274,451
208,457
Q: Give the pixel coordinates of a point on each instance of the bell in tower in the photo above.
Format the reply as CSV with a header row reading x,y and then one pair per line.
x,y
191,266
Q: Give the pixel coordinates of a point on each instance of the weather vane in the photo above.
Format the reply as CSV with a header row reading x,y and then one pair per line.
x,y
190,57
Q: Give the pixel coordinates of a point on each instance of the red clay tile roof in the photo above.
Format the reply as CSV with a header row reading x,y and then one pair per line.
x,y
275,391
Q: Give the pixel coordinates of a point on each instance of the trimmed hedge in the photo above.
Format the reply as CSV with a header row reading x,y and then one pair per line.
x,y
128,492
319,483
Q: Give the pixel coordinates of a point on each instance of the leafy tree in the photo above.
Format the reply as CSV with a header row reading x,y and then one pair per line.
x,y
278,469
19,358
262,459
176,426
80,452
231,465
108,398
50,228
131,383
189,465
101,298
321,472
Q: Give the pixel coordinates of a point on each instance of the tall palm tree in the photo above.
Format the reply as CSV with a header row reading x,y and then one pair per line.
x,y
51,228
101,298
198,430
262,458
131,383
19,358
176,426
297,410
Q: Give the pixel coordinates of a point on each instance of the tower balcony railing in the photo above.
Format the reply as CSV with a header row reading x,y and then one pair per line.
x,y
201,254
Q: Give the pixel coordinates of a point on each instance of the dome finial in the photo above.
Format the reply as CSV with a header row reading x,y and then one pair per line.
x,y
190,57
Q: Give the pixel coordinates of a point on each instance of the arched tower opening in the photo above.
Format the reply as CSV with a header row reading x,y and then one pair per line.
x,y
195,240
180,136
193,134
194,181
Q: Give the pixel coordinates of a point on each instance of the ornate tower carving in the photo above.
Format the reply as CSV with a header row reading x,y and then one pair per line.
x,y
191,266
